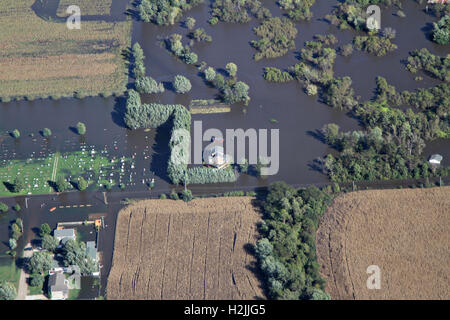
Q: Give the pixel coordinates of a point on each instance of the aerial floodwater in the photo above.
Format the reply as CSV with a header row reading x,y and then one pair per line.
x,y
131,160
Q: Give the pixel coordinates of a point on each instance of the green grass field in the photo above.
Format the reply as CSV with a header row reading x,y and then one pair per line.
x,y
9,272
40,58
73,294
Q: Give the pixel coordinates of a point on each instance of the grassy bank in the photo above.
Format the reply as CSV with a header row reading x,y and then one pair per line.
x,y
43,58
87,7
9,272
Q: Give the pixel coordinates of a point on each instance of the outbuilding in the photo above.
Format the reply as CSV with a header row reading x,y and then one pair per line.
x,y
436,159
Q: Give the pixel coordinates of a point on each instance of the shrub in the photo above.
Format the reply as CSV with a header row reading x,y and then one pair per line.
x,y
174,195
15,134
3,207
200,35
17,207
186,195
81,128
203,175
163,196
182,84
213,21
46,132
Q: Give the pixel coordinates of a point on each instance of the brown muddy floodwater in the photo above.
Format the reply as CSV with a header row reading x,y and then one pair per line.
x,y
298,115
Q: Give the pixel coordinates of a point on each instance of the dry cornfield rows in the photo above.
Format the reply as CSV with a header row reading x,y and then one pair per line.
x,y
166,249
404,232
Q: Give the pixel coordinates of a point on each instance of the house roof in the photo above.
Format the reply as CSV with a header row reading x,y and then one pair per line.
x,y
56,282
63,233
436,157
91,250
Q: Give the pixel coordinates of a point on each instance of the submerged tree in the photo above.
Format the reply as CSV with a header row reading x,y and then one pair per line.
x,y
81,128
182,84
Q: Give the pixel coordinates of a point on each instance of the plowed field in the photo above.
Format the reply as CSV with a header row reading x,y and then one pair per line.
x,y
166,249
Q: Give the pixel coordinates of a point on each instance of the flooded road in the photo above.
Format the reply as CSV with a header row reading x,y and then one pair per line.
x,y
297,115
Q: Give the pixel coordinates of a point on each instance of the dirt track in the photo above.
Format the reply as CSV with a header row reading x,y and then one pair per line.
x,y
167,249
404,232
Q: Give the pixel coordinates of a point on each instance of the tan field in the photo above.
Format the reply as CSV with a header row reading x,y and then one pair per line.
x,y
41,57
166,249
405,232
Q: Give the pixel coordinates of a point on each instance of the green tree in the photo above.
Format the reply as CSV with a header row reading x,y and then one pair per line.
x,y
7,291
17,207
3,207
243,165
190,58
81,128
46,132
74,253
186,195
61,184
49,243
82,184
18,185
231,69
210,74
12,243
15,133
40,262
37,280
45,230
190,23
182,84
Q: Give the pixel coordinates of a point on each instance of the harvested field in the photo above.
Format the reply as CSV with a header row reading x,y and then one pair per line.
x,y
40,58
405,232
166,249
87,7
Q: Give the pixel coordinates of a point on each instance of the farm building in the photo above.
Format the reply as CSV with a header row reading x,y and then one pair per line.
x,y
215,156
